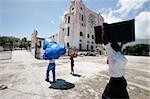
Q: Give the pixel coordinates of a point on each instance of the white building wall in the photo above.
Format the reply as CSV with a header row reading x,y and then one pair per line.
x,y
76,25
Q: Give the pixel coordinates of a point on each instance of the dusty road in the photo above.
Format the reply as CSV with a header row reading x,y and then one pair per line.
x,y
25,76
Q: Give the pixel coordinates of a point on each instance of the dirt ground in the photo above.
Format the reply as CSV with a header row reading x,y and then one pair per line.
x,y
24,76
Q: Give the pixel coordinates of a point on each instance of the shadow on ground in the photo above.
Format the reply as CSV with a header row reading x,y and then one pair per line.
x,y
62,85
76,75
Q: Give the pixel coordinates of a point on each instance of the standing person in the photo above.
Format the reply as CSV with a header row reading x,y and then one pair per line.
x,y
72,63
35,50
51,67
52,51
116,88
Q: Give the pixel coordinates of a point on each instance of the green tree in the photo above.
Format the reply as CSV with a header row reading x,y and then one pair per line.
x,y
24,43
2,41
139,49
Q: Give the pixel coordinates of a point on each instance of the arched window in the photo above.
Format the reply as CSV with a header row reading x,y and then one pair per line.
x,y
88,35
91,47
82,17
87,47
67,44
92,36
68,31
68,19
81,34
80,47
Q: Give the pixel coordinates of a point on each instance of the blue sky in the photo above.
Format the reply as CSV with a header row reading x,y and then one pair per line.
x,y
20,17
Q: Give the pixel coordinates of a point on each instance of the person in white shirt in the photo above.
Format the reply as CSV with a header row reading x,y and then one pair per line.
x,y
51,67
116,88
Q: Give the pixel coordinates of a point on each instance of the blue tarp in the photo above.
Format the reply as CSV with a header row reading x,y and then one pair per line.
x,y
53,50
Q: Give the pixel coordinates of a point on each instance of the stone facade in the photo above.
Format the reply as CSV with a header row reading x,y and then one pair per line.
x,y
77,28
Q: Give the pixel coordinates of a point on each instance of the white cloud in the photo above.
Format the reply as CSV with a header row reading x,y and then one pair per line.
x,y
142,25
52,22
126,6
109,16
142,22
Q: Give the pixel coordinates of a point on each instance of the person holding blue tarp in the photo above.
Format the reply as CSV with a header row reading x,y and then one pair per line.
x,y
51,67
53,51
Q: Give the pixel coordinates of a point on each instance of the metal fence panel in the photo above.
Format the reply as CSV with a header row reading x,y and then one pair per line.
x,y
5,52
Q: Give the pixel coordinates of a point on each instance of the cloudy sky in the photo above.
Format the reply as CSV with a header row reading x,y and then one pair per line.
x,y
20,17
